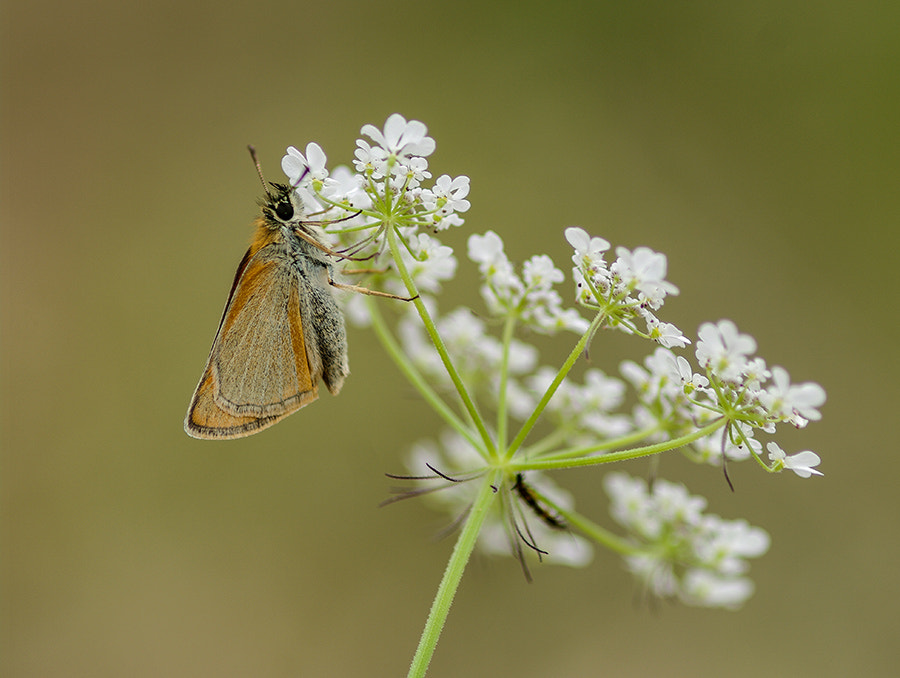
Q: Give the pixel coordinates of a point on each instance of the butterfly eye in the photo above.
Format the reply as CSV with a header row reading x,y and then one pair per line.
x,y
285,211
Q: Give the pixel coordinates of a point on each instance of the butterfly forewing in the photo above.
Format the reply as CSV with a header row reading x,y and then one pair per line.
x,y
258,371
260,358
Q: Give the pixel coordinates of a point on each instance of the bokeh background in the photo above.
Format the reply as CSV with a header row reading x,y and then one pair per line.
x,y
755,143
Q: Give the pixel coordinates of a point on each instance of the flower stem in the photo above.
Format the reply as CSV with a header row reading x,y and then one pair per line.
x,y
453,573
634,453
563,371
415,377
469,404
502,418
588,528
575,452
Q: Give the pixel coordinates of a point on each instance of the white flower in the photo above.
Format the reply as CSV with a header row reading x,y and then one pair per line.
x,y
304,172
583,410
755,373
539,272
665,334
448,194
660,381
801,463
448,221
299,167
588,251
706,589
400,138
430,262
796,404
648,514
724,350
444,200
485,250
345,186
645,271
477,354
602,392
639,378
689,380
369,159
294,165
740,538
502,287
532,297
631,288
683,552
412,172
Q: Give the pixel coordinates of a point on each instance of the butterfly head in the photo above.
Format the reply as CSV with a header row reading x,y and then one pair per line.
x,y
281,205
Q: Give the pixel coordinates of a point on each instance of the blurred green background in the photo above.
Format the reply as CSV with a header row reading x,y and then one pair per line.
x,y
756,144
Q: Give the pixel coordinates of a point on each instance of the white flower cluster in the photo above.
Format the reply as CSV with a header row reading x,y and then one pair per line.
x,y
387,188
680,551
380,212
628,290
530,297
487,366
735,383
391,170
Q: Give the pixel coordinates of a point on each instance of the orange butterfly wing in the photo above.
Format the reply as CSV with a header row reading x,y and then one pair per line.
x,y
258,371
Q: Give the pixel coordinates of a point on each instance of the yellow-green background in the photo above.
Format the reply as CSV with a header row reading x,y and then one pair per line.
x,y
755,143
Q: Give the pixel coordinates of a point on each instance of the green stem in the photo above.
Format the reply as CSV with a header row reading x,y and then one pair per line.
x,y
574,452
469,404
415,377
590,529
634,453
440,608
545,445
502,423
564,370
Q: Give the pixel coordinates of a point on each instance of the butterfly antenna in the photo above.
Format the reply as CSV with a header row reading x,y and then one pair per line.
x,y
259,169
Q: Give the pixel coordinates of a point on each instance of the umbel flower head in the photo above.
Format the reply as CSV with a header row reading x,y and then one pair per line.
x,y
680,551
513,415
529,296
628,291
387,188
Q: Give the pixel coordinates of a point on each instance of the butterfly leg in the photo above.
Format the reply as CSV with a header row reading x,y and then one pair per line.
x,y
366,290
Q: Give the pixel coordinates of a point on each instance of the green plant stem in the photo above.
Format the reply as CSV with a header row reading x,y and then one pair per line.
x,y
410,284
546,445
575,452
634,453
548,394
415,377
590,529
453,573
502,420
